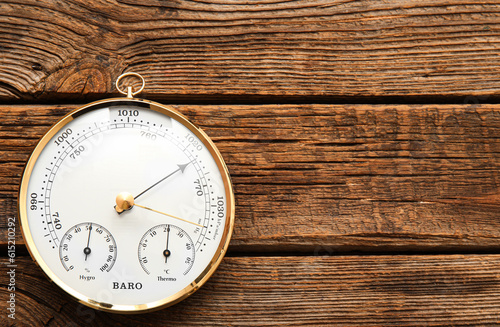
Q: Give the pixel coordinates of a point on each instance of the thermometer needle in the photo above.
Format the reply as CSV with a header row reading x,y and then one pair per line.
x,y
166,214
167,253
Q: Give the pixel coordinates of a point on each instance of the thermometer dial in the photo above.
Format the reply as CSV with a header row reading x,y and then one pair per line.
x,y
166,251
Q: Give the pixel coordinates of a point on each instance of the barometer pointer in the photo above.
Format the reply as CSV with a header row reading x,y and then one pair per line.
x,y
127,206
125,201
181,169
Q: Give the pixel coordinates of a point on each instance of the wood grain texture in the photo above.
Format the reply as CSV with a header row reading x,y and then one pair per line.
x,y
312,181
332,178
315,48
449,290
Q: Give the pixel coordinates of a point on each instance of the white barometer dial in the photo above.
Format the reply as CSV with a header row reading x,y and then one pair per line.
x,y
126,205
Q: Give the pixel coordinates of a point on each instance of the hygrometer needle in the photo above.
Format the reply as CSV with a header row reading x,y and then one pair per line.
x,y
181,169
86,250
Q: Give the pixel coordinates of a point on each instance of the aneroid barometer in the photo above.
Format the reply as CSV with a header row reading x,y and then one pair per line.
x,y
126,205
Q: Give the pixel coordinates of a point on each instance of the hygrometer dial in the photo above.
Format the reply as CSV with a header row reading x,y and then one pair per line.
x,y
87,248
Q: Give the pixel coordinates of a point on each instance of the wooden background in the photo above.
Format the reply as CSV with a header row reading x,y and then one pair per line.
x,y
363,139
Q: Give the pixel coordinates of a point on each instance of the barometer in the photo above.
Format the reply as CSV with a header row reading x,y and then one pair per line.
x,y
126,205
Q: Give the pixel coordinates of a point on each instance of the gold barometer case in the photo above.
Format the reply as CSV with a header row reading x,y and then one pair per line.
x,y
126,205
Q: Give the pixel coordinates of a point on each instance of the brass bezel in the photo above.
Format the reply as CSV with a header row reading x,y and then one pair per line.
x,y
199,280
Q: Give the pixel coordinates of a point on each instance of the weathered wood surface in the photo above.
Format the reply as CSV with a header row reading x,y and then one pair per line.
x,y
311,180
310,49
328,178
286,291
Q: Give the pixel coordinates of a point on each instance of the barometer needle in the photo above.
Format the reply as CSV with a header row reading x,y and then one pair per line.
x,y
166,214
181,169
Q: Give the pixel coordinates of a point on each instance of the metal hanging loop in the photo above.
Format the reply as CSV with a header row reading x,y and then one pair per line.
x,y
129,93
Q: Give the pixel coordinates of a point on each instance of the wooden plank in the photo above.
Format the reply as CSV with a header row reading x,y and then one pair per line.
x,y
273,49
440,290
328,178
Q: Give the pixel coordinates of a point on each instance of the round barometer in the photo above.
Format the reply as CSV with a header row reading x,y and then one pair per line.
x,y
126,205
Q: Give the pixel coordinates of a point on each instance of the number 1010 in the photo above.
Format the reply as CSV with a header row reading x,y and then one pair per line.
x,y
128,113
